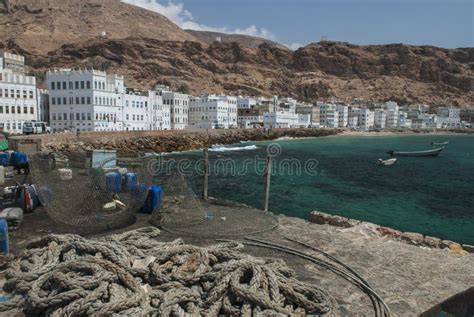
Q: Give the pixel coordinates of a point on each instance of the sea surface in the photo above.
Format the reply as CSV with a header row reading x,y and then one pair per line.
x,y
339,175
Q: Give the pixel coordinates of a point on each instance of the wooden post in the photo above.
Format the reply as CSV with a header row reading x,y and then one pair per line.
x,y
267,177
206,174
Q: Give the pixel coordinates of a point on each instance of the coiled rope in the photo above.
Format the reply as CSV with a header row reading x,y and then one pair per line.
x,y
133,274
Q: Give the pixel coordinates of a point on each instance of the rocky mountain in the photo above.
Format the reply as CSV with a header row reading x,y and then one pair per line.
x,y
244,40
147,48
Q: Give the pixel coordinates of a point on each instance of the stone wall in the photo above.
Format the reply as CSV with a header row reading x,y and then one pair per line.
x,y
406,237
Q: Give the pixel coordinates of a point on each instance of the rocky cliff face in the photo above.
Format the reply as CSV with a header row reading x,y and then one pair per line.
x,y
147,48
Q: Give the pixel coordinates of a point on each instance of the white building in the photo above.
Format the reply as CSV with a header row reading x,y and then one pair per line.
x,y
392,114
380,119
285,119
425,121
18,94
329,116
403,121
366,119
246,102
313,111
449,117
343,115
135,113
159,113
179,107
213,112
86,100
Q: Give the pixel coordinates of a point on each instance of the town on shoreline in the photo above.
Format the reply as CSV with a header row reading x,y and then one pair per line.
x,y
90,100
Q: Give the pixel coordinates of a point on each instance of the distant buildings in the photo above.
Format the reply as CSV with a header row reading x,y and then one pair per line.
x,y
92,100
213,112
285,119
18,94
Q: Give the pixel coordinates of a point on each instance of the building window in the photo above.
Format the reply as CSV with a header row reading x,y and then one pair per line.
x,y
88,84
53,85
83,100
88,100
18,95
76,85
88,116
127,116
64,85
83,116
31,94
95,85
77,100
1,109
18,109
82,85
59,116
24,94
71,116
65,116
53,101
77,116
25,110
64,101
70,85
54,116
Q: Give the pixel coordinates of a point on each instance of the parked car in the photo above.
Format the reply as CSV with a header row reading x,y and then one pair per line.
x,y
35,127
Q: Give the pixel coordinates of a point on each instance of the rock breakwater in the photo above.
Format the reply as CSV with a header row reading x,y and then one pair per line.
x,y
167,141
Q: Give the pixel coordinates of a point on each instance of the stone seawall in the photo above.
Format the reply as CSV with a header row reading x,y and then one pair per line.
x,y
407,237
167,141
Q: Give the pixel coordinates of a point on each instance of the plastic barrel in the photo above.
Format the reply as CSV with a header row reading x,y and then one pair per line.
x,y
113,182
153,200
4,243
131,181
18,159
4,159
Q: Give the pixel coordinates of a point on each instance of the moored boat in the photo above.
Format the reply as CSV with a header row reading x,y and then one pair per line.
x,y
387,162
439,143
433,152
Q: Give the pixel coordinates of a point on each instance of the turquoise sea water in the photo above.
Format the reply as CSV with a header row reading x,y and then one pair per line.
x,y
433,196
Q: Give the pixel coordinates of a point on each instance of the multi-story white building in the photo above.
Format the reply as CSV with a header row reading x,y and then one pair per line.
x,y
392,114
246,102
285,119
159,113
213,112
380,119
343,115
86,100
135,113
179,107
366,119
329,116
449,117
403,121
18,94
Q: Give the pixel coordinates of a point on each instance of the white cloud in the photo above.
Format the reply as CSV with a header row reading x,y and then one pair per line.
x,y
294,46
184,19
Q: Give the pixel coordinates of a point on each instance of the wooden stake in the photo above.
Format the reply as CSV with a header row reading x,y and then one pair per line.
x,y
206,174
267,179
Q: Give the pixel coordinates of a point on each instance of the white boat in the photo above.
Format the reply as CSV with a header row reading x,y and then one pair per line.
x,y
434,152
387,162
439,143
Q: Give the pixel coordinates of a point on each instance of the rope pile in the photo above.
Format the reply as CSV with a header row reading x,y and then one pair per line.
x,y
133,274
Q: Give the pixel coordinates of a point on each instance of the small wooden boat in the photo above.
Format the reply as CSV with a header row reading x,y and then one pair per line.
x,y
387,162
433,152
439,143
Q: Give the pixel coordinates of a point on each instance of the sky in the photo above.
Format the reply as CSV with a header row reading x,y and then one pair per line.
x,y
295,23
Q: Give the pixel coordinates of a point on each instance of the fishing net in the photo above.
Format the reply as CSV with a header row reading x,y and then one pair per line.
x,y
85,198
184,213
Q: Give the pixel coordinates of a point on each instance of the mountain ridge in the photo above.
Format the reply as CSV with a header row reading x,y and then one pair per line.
x,y
55,33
